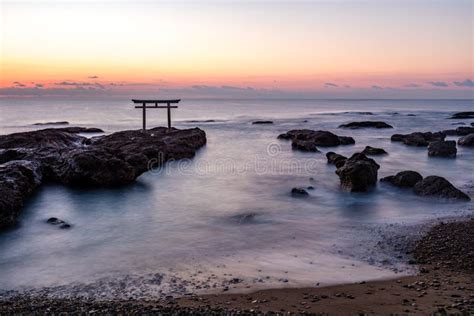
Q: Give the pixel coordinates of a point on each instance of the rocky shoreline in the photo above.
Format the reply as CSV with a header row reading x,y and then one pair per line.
x,y
59,155
444,285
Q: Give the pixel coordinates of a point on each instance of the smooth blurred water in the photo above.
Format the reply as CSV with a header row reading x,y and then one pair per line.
x,y
229,210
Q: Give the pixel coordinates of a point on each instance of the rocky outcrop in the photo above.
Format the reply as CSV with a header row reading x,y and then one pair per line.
x,y
464,130
317,138
439,187
442,148
336,159
58,222
358,173
462,115
374,151
467,140
364,124
404,179
418,139
61,156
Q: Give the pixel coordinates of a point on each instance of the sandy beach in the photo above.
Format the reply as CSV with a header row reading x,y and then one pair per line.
x,y
444,285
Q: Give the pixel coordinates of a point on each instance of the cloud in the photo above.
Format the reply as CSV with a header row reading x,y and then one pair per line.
x,y
79,84
441,84
330,85
465,83
412,85
375,87
93,77
18,84
39,85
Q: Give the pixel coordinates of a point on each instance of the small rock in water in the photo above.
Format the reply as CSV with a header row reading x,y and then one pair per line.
x,y
373,151
299,192
54,221
310,187
262,122
375,124
442,148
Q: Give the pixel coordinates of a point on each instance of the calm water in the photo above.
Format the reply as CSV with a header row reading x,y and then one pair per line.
x,y
228,211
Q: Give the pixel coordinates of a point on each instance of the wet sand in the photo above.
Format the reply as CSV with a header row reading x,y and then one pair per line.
x,y
444,285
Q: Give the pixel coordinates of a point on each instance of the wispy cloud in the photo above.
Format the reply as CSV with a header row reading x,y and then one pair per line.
x,y
80,84
412,85
466,83
441,84
330,85
93,77
375,87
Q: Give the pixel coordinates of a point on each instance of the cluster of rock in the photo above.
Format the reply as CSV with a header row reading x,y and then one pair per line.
x,y
357,173
429,186
308,140
460,131
418,139
364,124
59,155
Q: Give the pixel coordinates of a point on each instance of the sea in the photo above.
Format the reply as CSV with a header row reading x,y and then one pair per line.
x,y
225,220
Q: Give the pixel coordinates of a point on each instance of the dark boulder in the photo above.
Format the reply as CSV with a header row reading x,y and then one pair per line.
x,y
363,124
336,159
319,138
358,174
406,179
439,187
299,192
262,122
58,222
442,148
373,151
464,130
467,140
418,139
463,115
304,145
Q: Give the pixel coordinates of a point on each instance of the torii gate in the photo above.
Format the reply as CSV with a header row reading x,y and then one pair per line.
x,y
144,106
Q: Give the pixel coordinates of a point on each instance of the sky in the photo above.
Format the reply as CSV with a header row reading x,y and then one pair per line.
x,y
280,49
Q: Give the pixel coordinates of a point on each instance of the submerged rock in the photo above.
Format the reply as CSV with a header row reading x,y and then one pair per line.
x,y
463,115
418,138
299,192
439,187
406,179
358,173
467,140
442,148
363,124
373,151
319,138
336,159
61,156
262,122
